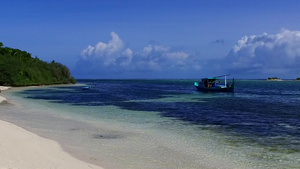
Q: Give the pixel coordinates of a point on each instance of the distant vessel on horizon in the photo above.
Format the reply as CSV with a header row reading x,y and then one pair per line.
x,y
213,84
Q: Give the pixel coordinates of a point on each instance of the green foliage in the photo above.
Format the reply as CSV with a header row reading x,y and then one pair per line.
x,y
18,68
298,78
273,78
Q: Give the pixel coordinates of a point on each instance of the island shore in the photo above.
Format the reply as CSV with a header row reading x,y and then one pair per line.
x,y
25,150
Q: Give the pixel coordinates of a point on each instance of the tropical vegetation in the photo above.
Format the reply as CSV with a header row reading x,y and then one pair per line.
x,y
18,68
274,78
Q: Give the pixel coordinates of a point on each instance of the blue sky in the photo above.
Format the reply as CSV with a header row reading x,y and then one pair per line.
x,y
158,38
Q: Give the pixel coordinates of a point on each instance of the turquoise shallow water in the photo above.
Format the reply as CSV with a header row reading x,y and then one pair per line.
x,y
167,124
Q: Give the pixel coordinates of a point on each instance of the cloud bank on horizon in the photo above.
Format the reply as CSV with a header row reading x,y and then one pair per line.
x,y
255,56
277,54
105,59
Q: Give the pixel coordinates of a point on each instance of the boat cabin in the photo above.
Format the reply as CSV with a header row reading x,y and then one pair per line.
x,y
214,84
210,82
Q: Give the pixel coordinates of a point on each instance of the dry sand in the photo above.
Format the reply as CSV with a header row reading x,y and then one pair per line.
x,y
21,149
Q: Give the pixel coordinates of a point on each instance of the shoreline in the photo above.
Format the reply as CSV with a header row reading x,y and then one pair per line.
x,y
26,150
112,137
111,145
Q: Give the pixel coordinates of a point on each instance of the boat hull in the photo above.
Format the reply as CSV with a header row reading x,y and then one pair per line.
x,y
85,88
203,89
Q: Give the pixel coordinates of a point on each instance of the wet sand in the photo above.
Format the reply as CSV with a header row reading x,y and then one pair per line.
x,y
21,149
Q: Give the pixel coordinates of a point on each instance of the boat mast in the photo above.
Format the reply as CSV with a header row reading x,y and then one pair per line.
x,y
224,78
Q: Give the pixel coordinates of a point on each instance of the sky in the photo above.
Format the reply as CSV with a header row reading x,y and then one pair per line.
x,y
158,39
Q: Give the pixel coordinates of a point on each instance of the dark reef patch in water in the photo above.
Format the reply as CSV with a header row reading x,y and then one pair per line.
x,y
106,136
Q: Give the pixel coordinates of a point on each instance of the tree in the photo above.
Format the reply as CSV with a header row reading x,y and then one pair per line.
x,y
18,68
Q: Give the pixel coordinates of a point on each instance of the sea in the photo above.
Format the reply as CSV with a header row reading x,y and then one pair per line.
x,y
136,124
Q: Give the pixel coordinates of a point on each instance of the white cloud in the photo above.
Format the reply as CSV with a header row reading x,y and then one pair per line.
x,y
87,52
161,57
114,46
177,55
108,53
113,56
266,53
252,56
128,54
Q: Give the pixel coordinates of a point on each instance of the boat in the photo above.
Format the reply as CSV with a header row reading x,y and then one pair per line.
x,y
85,88
213,84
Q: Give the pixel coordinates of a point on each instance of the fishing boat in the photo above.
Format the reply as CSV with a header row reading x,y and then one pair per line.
x,y
213,84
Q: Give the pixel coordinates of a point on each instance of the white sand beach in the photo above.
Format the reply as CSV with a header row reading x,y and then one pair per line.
x,y
24,150
21,149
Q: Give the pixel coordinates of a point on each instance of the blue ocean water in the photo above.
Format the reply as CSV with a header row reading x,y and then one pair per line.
x,y
260,113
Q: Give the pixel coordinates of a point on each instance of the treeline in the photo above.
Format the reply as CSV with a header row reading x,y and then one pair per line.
x,y
273,78
18,68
